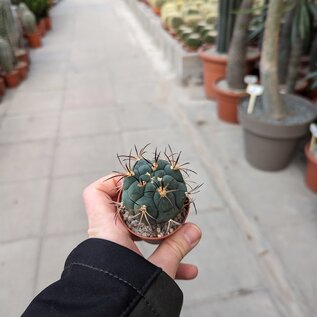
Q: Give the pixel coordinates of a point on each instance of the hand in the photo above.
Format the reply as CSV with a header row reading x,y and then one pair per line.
x,y
99,198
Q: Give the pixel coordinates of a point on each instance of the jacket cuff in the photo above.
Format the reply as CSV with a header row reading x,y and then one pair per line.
x,y
154,289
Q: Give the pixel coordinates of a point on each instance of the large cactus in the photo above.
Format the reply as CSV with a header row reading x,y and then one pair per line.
x,y
6,56
27,18
8,25
155,198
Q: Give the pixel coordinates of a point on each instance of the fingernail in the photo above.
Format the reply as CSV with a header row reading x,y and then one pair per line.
x,y
192,234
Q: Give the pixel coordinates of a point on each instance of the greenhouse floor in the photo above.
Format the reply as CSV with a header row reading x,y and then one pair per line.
x,y
97,87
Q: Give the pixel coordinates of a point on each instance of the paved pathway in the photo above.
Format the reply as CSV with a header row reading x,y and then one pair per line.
x,y
97,87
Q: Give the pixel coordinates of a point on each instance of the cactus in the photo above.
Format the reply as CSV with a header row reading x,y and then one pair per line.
x,y
155,198
38,7
193,41
27,19
6,56
8,25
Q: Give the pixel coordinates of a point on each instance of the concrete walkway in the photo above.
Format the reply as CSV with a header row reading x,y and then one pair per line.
x,y
97,87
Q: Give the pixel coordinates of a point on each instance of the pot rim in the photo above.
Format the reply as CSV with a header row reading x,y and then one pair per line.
x,y
228,92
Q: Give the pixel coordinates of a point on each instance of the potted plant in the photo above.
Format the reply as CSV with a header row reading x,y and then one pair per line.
x,y
40,10
279,121
28,22
154,199
215,58
9,73
231,90
311,155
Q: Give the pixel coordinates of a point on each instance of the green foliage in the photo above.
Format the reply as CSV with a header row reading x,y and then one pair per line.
x,y
6,56
38,7
154,189
225,23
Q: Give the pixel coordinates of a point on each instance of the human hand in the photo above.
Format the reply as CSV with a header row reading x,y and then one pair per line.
x,y
99,198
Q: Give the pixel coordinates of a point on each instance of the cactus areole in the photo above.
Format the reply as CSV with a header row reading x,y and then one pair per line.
x,y
155,199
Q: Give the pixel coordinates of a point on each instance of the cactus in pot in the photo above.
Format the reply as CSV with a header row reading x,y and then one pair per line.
x,y
27,18
154,198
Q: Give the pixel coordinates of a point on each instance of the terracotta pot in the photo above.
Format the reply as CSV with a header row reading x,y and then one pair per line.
x,y
23,55
311,170
153,240
12,79
227,102
156,10
2,87
34,40
41,27
270,145
48,23
23,70
215,67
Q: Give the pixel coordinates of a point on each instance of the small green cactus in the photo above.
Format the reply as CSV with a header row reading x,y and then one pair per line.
x,y
6,56
155,198
28,19
193,41
8,25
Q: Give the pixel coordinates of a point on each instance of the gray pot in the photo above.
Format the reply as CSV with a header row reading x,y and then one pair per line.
x,y
270,144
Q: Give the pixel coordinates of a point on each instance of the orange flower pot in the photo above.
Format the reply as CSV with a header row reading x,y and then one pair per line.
x,y
23,56
12,79
227,102
34,40
22,68
156,10
48,23
41,27
311,170
2,87
215,67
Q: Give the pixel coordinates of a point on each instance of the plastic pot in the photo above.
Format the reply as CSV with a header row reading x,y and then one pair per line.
x,y
12,79
34,40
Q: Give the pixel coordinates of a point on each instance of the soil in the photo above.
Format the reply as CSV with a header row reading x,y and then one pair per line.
x,y
155,230
300,110
223,85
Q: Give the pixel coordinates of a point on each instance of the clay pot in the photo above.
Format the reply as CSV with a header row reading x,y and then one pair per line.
x,y
311,170
156,10
215,67
48,23
23,55
270,145
227,102
23,70
12,79
41,27
153,240
34,40
2,87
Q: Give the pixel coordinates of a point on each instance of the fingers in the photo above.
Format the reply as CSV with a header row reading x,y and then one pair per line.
x,y
186,271
99,198
172,250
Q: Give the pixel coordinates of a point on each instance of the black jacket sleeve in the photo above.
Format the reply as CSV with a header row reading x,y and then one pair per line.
x,y
102,278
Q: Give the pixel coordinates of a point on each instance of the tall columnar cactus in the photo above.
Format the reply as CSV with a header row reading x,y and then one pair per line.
x,y
8,25
155,198
27,19
225,23
6,56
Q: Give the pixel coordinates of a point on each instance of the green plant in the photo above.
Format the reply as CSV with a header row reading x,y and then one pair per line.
x,y
38,7
8,26
155,198
6,56
27,18
225,24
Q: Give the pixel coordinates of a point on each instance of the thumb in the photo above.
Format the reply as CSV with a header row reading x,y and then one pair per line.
x,y
172,250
